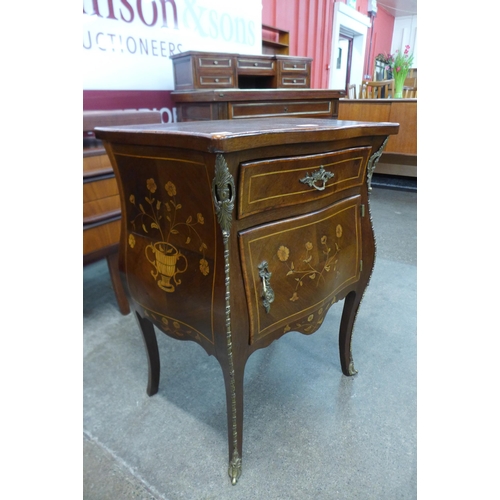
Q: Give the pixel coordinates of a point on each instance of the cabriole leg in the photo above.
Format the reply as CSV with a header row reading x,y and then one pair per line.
x,y
351,305
149,335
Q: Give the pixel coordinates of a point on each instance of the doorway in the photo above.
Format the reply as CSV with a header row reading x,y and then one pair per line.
x,y
348,24
344,59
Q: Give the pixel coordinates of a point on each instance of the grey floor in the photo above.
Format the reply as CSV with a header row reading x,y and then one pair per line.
x,y
309,431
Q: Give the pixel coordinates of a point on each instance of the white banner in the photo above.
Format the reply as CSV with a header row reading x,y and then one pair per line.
x,y
127,44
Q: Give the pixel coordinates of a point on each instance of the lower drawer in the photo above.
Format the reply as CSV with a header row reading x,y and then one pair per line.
x,y
295,81
304,263
211,81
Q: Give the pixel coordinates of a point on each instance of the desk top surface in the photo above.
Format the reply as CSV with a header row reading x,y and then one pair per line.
x,y
233,135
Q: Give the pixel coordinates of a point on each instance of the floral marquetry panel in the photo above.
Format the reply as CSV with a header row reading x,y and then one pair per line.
x,y
170,241
309,261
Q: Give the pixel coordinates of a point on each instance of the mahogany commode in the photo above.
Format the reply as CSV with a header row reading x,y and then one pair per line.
x,y
235,232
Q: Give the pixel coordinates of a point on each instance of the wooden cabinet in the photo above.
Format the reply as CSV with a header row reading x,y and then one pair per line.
x,y
235,232
400,154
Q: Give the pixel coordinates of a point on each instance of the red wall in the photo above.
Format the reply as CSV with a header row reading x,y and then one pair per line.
x,y
310,25
383,27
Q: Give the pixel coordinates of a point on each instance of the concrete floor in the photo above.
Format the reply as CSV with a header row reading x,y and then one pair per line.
x,y
309,431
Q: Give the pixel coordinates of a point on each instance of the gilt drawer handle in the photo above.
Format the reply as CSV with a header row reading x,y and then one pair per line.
x,y
267,291
320,175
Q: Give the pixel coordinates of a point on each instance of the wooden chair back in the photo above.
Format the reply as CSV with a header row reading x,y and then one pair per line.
x,y
351,91
409,92
376,90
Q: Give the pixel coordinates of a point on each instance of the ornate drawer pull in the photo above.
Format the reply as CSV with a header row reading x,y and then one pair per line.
x,y
320,175
216,62
267,291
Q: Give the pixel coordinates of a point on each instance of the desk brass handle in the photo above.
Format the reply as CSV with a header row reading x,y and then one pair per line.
x,y
267,291
320,175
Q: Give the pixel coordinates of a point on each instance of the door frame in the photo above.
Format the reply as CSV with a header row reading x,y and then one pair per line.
x,y
349,20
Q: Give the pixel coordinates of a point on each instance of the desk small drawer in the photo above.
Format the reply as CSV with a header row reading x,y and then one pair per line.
x,y
294,66
215,62
257,65
295,81
271,184
212,81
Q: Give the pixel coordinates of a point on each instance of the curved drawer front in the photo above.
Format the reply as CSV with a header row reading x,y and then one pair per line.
x,y
305,262
270,184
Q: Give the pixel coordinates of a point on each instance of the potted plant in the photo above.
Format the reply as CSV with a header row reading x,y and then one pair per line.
x,y
399,63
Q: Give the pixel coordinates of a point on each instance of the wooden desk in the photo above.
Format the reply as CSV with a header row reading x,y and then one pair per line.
x,y
217,70
400,154
235,232
101,203
236,104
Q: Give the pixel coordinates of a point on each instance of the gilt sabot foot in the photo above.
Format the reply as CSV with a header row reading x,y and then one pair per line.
x,y
235,468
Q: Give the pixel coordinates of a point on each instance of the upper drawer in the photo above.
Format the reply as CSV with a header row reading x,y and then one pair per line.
x,y
270,184
214,62
295,66
258,65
